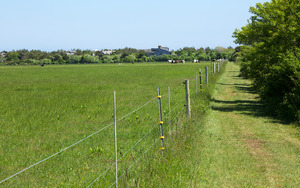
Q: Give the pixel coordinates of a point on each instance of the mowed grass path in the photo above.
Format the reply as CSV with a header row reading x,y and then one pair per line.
x,y
240,147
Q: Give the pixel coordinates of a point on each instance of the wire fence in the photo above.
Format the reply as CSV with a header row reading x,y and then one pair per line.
x,y
143,121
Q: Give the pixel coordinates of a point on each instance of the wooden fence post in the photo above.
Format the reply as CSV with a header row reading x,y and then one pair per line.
x,y
187,97
200,78
214,68
206,75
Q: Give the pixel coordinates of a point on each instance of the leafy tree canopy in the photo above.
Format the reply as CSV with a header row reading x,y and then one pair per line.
x,y
271,53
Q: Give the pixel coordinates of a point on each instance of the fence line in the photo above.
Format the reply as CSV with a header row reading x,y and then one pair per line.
x,y
144,153
136,109
55,153
137,142
102,174
132,147
181,85
75,143
135,162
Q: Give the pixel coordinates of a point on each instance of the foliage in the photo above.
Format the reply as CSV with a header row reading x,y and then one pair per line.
x,y
13,56
271,54
126,55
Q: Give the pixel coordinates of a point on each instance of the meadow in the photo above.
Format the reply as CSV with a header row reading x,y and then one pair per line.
x,y
46,109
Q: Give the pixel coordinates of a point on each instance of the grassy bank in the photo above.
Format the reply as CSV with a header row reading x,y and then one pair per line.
x,y
178,166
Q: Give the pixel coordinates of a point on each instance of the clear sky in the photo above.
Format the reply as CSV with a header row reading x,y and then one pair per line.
x,y
112,24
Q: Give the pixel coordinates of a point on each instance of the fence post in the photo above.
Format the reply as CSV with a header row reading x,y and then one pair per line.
x,y
218,67
214,68
169,93
187,97
196,84
211,68
116,158
160,122
206,75
200,77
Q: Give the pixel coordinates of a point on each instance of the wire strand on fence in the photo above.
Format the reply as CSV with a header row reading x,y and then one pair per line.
x,y
176,108
146,150
136,110
133,146
134,162
137,142
178,113
102,174
53,155
176,88
173,90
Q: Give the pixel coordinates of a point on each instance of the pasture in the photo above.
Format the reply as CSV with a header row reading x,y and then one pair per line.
x,y
46,109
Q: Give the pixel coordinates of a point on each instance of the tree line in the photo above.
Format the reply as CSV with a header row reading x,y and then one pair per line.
x,y
125,55
270,55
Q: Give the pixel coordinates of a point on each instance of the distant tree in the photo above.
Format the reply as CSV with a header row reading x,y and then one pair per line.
x,y
207,50
58,58
124,55
201,50
12,56
116,59
78,52
189,49
219,49
141,54
23,54
130,59
99,54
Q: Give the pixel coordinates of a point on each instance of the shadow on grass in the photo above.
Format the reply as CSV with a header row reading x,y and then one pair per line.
x,y
247,107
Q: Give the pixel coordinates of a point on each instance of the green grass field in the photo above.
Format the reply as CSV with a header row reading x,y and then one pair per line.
x,y
45,109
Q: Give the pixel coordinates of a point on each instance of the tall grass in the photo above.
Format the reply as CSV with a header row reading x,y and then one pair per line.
x,y
178,166
45,109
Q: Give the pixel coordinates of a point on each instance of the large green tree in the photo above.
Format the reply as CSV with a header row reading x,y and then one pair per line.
x,y
271,54
12,56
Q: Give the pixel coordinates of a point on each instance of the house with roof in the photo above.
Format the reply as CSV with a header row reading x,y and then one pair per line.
x,y
71,52
159,51
107,52
4,54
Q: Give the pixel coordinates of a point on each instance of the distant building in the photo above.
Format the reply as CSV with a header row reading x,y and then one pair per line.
x,y
94,52
107,52
159,51
3,54
70,52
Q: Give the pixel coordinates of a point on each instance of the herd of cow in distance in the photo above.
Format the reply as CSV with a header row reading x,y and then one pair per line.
x,y
194,61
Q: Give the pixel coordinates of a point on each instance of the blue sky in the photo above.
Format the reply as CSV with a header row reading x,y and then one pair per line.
x,y
113,24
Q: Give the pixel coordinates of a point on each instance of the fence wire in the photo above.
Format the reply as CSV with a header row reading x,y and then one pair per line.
x,y
134,163
102,129
68,147
136,145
